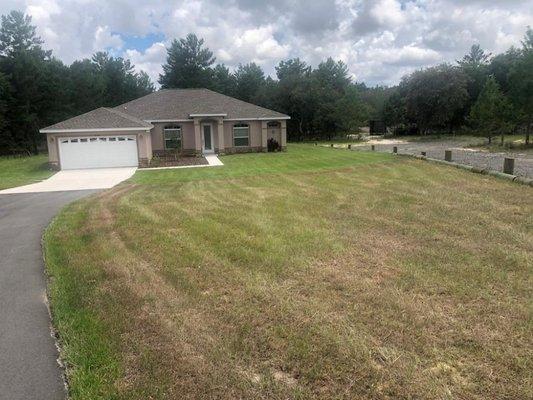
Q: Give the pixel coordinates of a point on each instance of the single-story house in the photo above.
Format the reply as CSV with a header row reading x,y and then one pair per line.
x,y
186,121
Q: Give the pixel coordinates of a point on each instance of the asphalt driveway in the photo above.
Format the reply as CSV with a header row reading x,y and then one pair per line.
x,y
28,356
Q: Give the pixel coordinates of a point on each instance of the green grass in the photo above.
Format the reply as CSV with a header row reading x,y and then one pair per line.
x,y
319,274
299,159
16,171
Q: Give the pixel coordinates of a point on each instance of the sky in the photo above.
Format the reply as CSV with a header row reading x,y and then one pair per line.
x,y
379,40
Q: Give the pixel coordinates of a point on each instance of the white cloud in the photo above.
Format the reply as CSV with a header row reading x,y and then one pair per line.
x,y
104,39
259,45
379,39
150,60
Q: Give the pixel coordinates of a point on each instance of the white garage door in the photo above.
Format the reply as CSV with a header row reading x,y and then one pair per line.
x,y
98,152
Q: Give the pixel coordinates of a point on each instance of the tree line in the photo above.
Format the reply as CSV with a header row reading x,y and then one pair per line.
x,y
492,95
480,93
321,102
37,89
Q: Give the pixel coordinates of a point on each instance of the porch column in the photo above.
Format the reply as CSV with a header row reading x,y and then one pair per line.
x,y
264,135
197,136
283,134
220,133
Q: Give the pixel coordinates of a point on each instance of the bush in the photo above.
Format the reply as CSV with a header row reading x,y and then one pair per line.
x,y
273,145
155,161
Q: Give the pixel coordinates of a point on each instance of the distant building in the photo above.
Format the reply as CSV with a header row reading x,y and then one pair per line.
x,y
377,127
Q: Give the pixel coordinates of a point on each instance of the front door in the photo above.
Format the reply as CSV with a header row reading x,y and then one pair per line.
x,y
207,138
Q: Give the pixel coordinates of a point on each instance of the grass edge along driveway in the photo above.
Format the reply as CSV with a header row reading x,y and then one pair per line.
x,y
18,171
395,278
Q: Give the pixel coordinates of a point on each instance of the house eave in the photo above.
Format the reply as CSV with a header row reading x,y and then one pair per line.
x,y
86,130
151,121
208,115
258,119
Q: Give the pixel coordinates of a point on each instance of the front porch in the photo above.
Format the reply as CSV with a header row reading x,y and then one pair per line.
x,y
213,134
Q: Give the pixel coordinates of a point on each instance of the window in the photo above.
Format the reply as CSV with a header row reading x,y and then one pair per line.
x,y
84,140
103,139
112,139
172,135
121,139
93,139
241,135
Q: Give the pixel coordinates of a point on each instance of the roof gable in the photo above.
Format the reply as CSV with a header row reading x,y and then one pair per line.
x,y
101,118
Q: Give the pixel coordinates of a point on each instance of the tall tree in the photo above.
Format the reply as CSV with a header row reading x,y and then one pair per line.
x,y
87,86
394,112
475,58
294,96
5,99
521,83
333,75
375,98
329,83
527,42
188,64
223,80
490,114
475,66
143,84
434,96
17,34
37,89
501,66
121,83
249,79
350,112
23,61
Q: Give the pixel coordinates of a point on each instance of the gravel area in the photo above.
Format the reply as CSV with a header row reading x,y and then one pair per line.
x,y
476,158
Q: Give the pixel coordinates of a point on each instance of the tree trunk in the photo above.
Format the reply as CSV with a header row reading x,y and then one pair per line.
x,y
501,144
490,139
528,131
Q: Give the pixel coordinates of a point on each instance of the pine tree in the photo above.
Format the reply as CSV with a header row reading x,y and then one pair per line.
x,y
188,64
490,114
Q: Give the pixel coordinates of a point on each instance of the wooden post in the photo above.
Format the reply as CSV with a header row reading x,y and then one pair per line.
x,y
508,166
448,155
331,144
423,153
395,150
373,148
349,147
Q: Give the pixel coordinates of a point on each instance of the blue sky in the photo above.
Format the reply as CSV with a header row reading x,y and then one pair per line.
x,y
140,43
380,40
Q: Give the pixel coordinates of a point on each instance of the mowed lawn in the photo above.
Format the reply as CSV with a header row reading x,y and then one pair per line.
x,y
16,171
317,273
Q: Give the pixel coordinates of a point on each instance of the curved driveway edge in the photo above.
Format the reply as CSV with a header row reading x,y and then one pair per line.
x,y
28,368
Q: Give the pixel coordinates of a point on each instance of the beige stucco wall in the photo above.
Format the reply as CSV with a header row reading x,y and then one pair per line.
x,y
255,135
187,131
147,142
144,145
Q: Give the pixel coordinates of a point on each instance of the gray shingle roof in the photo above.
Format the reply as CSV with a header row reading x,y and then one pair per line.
x,y
180,103
101,118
